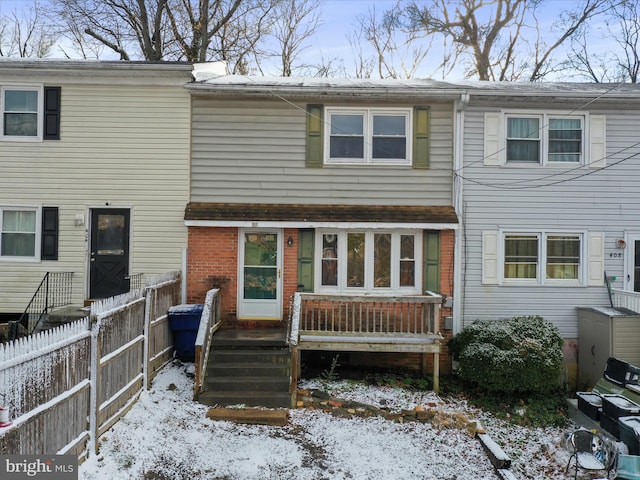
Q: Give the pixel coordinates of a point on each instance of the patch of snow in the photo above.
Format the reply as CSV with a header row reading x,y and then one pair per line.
x,y
167,435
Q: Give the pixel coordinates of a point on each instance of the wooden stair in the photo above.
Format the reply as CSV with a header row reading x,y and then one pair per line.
x,y
251,368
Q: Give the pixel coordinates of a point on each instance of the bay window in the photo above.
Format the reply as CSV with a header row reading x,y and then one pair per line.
x,y
369,261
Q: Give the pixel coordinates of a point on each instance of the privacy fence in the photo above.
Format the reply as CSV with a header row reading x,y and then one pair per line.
x,y
64,388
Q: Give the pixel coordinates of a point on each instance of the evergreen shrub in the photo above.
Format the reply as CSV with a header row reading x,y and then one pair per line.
x,y
512,355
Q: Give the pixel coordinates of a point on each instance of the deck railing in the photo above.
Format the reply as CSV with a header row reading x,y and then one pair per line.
x,y
626,299
364,315
209,323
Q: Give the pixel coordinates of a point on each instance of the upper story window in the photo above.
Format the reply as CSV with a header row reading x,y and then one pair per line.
x,y
369,261
368,136
544,139
30,113
21,112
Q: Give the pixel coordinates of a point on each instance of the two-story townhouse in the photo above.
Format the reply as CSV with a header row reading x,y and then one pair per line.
x,y
319,185
94,175
549,183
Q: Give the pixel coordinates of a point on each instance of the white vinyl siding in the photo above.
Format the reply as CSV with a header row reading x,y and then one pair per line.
x,y
600,204
125,144
253,151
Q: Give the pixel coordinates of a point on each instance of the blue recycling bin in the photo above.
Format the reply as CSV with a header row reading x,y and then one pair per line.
x,y
184,322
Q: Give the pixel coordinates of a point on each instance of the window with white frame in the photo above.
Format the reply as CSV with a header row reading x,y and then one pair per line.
x,y
19,233
542,257
544,139
21,113
368,136
369,261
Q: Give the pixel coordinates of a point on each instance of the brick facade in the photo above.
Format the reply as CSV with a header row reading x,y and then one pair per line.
x,y
213,263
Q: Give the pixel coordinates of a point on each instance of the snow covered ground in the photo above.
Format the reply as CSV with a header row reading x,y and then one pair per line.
x,y
166,436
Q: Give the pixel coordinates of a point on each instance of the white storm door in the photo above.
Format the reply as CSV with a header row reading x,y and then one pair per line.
x,y
632,263
260,275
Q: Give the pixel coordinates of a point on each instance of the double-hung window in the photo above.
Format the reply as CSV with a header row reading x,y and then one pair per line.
x,y
368,136
19,233
21,113
369,261
544,139
542,257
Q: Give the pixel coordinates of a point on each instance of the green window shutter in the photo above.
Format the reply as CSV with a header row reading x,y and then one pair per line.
x,y
315,123
431,261
305,260
49,246
51,127
421,141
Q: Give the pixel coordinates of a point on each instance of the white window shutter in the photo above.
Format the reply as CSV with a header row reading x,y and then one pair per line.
x,y
597,141
595,259
490,258
492,132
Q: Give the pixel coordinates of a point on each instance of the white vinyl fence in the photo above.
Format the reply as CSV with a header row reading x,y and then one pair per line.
x,y
65,387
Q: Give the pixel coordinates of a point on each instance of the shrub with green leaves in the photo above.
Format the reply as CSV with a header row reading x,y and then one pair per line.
x,y
519,354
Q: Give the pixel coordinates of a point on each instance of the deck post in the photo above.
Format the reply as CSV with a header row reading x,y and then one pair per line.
x,y
436,372
295,375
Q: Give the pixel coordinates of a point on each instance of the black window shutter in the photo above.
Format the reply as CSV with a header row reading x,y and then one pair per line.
x,y
49,249
51,113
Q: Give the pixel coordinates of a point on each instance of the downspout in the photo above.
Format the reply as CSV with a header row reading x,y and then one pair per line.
x,y
458,160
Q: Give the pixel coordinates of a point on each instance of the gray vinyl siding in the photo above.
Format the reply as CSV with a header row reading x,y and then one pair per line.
x,y
122,145
547,198
253,151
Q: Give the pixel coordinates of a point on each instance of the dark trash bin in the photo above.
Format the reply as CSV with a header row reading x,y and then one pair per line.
x,y
184,322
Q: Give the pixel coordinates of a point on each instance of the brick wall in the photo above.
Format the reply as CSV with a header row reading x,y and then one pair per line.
x,y
213,263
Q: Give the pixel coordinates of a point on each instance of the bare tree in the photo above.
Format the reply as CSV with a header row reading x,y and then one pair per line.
x,y
618,64
295,21
397,52
24,33
154,30
495,34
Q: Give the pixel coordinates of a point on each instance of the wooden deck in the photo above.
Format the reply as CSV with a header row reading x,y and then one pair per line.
x,y
366,323
357,323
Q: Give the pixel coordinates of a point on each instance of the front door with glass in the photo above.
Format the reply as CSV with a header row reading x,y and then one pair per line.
x,y
260,279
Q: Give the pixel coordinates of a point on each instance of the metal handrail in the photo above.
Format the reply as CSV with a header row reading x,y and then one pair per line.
x,y
55,290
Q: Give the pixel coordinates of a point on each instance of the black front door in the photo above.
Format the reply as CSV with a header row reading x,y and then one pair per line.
x,y
109,254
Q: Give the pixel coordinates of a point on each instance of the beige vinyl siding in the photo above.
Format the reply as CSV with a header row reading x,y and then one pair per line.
x,y
253,151
124,145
